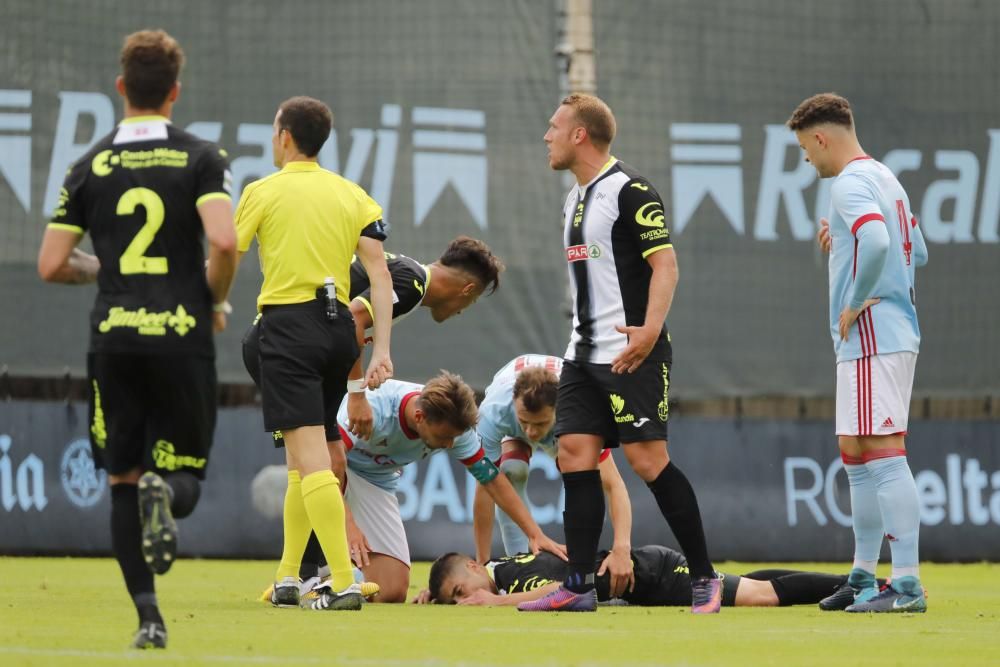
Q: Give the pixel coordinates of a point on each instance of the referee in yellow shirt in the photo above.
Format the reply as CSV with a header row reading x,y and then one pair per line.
x,y
308,223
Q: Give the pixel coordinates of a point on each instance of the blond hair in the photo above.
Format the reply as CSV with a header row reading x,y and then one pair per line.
x,y
595,116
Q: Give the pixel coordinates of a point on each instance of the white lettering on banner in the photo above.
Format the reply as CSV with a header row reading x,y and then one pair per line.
x,y
447,154
15,151
698,173
966,495
449,149
73,107
722,181
419,496
24,488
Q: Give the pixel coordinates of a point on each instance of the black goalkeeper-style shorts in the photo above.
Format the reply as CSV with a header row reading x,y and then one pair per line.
x,y
620,408
305,359
154,412
662,579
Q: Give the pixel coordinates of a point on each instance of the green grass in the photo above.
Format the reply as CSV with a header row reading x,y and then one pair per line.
x,y
75,611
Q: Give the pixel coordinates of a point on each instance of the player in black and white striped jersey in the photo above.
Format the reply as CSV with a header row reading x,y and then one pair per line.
x,y
616,374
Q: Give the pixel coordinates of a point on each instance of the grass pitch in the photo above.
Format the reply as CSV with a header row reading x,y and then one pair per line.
x,y
75,611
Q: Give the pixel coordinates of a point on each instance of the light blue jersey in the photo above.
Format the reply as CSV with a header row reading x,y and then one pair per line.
x,y
381,458
866,192
497,420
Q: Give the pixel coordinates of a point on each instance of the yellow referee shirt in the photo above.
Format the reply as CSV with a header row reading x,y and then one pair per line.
x,y
307,221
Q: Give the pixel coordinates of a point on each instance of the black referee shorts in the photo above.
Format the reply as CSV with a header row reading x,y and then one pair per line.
x,y
662,579
155,412
621,408
305,359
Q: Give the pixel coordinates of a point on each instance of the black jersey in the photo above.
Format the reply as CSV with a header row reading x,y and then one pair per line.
x,y
661,575
410,279
612,225
136,193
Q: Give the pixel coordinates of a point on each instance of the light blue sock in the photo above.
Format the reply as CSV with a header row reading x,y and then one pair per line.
x,y
865,517
514,539
900,507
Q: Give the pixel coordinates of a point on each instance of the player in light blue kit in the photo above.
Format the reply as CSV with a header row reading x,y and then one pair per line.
x,y
875,247
517,418
411,422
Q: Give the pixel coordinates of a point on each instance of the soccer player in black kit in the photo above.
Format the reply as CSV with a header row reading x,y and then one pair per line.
x,y
149,194
616,372
662,579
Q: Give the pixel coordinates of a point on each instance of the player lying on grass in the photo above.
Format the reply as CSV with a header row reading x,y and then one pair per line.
x,y
516,418
411,422
661,580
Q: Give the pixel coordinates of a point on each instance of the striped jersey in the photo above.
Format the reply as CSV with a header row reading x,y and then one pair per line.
x,y
392,445
867,192
497,419
612,224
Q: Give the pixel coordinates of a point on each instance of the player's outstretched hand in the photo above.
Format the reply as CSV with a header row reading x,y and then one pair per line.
x,y
479,598
423,597
543,542
358,544
823,235
848,317
619,563
640,343
360,420
379,370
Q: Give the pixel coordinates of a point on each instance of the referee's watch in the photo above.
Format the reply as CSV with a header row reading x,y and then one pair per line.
x,y
225,308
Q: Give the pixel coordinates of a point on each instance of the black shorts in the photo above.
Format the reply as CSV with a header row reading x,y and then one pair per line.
x,y
631,407
662,580
155,412
305,359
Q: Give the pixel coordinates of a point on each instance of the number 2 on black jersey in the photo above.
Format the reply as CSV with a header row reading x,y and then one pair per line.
x,y
133,260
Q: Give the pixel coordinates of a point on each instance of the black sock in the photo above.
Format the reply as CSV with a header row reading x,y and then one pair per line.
x,y
312,559
679,506
126,540
582,521
805,587
185,489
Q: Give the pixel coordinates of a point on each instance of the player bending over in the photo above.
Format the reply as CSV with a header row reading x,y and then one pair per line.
x,y
516,418
411,422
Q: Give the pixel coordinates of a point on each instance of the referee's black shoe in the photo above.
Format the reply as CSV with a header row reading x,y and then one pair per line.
x,y
159,530
151,635
840,600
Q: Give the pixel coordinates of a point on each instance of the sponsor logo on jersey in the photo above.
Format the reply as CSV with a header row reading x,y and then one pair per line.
x,y
650,214
576,253
148,324
640,186
105,161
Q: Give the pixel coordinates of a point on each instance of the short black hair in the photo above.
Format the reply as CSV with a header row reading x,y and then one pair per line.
x,y
442,568
475,258
308,120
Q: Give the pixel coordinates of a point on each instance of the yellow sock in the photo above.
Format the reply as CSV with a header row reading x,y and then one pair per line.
x,y
296,526
325,506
